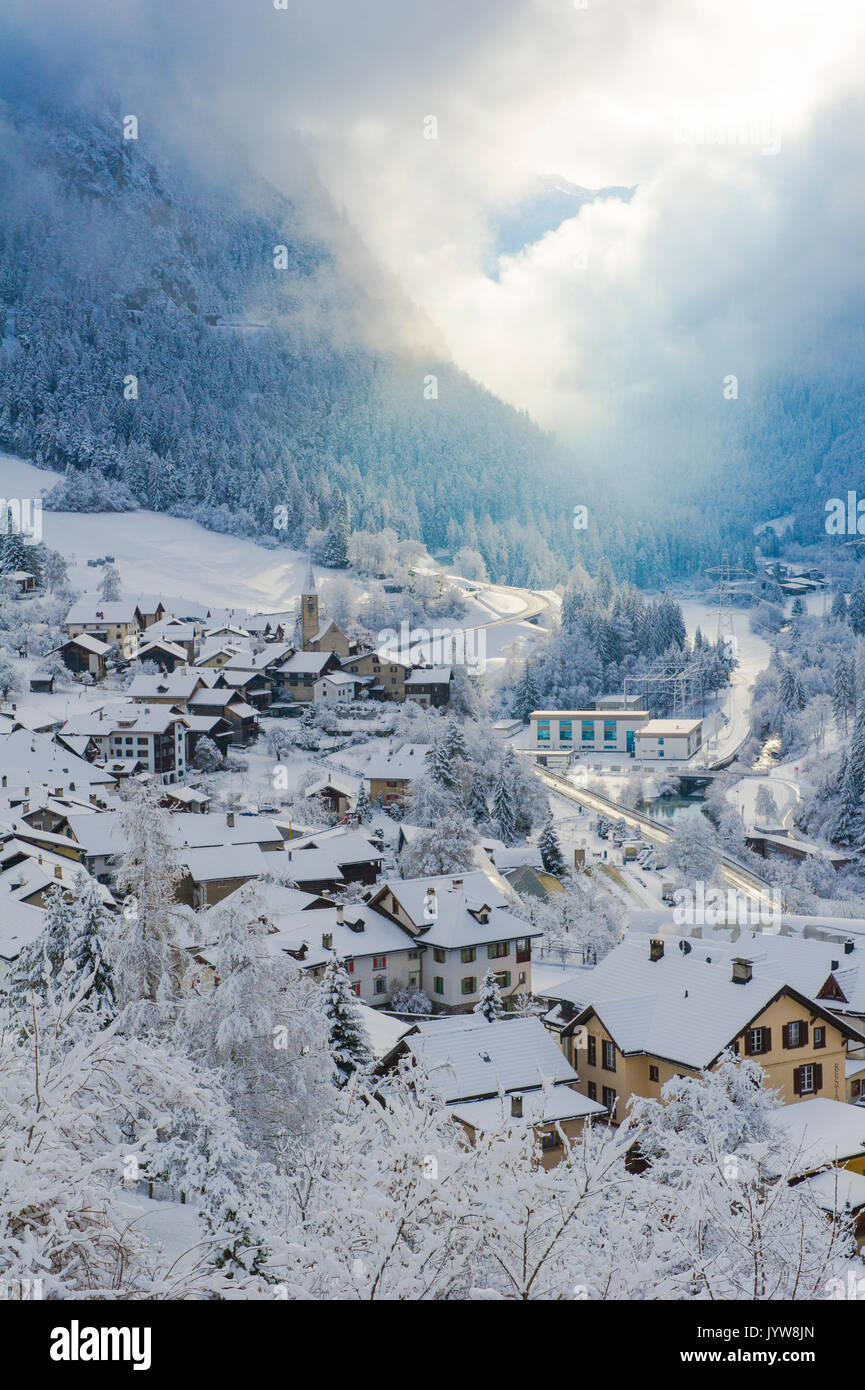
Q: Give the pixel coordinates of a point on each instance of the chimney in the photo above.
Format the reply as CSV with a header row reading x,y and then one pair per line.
x,y
656,948
327,941
229,819
340,914
516,1106
849,944
58,872
456,883
834,965
3,783
566,1009
430,909
743,971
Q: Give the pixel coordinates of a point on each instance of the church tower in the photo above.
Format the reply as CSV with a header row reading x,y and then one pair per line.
x,y
308,608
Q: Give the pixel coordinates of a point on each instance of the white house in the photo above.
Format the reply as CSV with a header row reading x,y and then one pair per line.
x,y
669,738
586,730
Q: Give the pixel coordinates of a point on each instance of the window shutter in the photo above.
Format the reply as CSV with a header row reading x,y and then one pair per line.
x,y
803,1034
767,1039
747,1040
785,1035
797,1081
818,1076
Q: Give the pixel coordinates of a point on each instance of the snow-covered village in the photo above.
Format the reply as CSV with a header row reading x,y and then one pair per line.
x,y
432,815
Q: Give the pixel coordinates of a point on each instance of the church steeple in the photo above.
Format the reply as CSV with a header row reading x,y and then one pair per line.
x,y
308,608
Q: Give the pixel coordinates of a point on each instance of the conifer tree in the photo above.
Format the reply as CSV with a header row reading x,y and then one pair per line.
x,y
526,696
503,806
89,947
843,690
850,819
477,801
838,611
551,851
349,1042
490,1002
49,950
363,805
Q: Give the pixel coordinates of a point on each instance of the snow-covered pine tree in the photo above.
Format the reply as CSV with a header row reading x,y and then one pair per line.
x,y
843,690
766,807
363,805
849,821
441,765
838,611
349,1042
527,697
49,951
551,851
856,608
89,948
477,801
490,1002
503,806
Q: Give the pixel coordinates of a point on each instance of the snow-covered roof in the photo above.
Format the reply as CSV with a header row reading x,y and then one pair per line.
x,y
430,675
38,758
97,610
304,663
170,685
544,1105
837,1189
685,1007
370,934
668,726
88,644
401,765
479,1059
384,1032
20,923
346,846
457,899
823,1131
225,861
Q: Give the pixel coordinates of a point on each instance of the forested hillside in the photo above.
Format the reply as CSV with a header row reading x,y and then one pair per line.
x,y
304,384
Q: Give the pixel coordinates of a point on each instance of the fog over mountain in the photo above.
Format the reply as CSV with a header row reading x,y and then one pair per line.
x,y
694,230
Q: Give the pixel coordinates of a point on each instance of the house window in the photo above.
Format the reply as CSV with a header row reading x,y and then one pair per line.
x,y
608,1055
467,984
349,966
758,1040
653,1074
587,730
820,1037
438,955
497,949
609,731
524,949
592,1090
380,985
566,733
356,988
609,1099
467,955
856,1088
795,1034
503,979
551,1139
438,985
807,1080
591,1050
379,962
413,953
543,735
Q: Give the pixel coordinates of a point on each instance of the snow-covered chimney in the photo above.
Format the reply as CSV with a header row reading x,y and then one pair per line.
x,y
327,941
58,872
516,1106
340,914
656,948
229,819
743,970
430,906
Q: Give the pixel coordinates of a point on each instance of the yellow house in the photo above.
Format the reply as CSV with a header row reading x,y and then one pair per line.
x,y
552,1112
653,1010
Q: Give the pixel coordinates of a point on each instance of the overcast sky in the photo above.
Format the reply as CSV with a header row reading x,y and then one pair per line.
x,y
739,122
